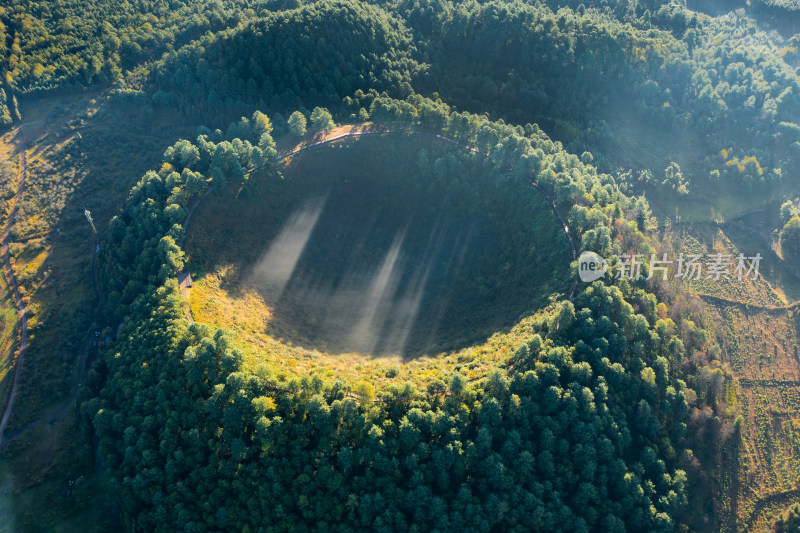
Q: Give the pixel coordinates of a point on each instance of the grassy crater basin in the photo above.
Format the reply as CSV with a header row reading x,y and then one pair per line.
x,y
383,245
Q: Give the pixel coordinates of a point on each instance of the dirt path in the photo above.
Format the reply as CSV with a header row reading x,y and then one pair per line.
x,y
91,347
14,286
728,301
12,282
778,499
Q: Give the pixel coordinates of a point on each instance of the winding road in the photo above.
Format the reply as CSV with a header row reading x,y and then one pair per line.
x,y
13,284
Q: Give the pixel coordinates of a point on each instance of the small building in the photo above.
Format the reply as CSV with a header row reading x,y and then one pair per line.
x,y
185,280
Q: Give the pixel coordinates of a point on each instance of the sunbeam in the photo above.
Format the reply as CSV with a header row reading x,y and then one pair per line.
x,y
378,299
275,269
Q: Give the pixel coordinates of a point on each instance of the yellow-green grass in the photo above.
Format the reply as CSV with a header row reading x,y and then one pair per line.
x,y
230,228
9,339
760,345
83,152
770,450
243,312
66,172
709,240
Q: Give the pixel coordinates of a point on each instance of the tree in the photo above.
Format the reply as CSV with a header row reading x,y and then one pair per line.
x,y
297,124
182,154
789,210
181,414
789,521
267,146
321,120
673,177
790,240
261,124
365,392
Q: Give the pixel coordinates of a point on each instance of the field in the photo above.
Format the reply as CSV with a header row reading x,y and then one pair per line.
x,y
758,330
83,153
9,337
232,232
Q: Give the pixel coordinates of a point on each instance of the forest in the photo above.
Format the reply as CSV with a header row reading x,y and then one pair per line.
x,y
595,381
541,129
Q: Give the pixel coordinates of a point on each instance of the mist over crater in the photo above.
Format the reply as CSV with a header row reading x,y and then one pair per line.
x,y
377,248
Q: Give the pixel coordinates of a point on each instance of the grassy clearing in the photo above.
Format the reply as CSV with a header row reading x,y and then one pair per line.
x,y
772,443
9,338
84,152
230,232
487,259
246,314
9,319
761,346
708,240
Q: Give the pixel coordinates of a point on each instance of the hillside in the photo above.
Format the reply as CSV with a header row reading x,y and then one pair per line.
x,y
291,266
393,224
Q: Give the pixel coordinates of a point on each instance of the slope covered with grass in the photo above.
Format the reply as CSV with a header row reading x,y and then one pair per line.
x,y
582,426
416,246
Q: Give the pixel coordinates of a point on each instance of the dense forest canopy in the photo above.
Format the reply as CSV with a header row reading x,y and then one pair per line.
x,y
581,76
579,71
606,406
75,43
597,379
319,53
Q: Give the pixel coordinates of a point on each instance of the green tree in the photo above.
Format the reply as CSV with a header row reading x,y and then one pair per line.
x,y
261,124
789,210
790,239
321,120
297,124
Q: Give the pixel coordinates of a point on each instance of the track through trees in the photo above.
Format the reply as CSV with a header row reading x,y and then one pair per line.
x,y
13,284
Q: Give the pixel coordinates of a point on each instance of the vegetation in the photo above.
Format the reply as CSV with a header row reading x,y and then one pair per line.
x,y
297,124
503,137
790,239
466,265
788,522
355,439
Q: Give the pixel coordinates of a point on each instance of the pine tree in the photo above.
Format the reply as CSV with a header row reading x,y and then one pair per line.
x,y
321,120
297,124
